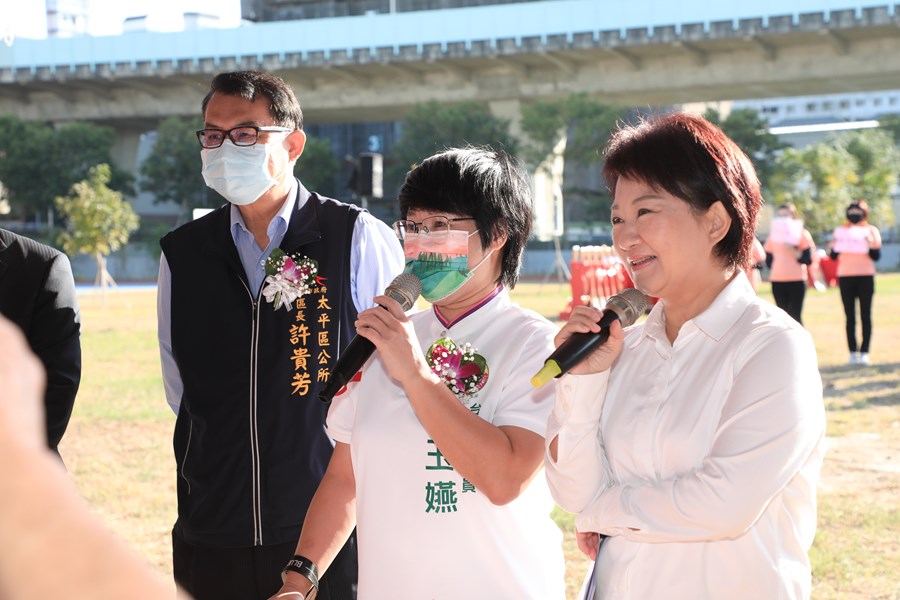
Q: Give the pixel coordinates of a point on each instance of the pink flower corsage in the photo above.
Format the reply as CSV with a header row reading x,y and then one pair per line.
x,y
461,368
288,277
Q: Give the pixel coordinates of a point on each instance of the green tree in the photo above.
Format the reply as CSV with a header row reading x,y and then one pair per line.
x,y
317,167
819,180
751,133
431,126
81,145
99,221
172,170
824,178
570,130
891,124
877,166
24,161
38,162
586,123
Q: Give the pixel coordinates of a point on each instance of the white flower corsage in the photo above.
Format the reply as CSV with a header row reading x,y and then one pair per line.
x,y
288,277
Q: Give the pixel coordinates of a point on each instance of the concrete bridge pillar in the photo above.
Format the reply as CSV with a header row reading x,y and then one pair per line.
x,y
125,148
510,110
546,179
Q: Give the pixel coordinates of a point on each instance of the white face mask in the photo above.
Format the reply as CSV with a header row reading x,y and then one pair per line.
x,y
239,173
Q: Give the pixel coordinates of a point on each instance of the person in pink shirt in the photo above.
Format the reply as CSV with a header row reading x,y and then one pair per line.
x,y
856,245
789,251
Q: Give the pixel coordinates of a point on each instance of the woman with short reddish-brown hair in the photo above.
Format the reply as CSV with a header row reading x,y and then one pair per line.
x,y
689,445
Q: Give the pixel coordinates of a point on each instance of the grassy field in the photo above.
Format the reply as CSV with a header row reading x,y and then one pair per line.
x,y
118,446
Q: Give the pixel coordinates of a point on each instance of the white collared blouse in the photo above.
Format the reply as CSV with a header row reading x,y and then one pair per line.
x,y
698,459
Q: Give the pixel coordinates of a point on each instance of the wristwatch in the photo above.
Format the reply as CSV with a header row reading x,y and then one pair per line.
x,y
307,568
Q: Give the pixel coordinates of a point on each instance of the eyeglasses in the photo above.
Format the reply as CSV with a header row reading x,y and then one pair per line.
x,y
239,136
434,224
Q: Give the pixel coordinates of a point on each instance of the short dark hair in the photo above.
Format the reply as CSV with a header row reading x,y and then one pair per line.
x,y
694,160
489,185
249,85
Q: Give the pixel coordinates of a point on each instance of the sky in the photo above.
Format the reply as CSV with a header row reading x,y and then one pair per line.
x,y
27,18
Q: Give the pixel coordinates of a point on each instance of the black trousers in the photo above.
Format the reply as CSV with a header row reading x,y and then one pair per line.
x,y
789,297
860,288
254,573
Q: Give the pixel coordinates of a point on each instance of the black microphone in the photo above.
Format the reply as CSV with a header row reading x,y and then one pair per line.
x,y
626,307
405,289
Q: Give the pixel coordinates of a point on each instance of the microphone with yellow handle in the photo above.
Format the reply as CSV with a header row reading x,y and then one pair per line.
x,y
625,307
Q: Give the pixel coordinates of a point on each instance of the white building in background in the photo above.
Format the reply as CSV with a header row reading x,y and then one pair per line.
x,y
172,22
830,108
67,18
804,120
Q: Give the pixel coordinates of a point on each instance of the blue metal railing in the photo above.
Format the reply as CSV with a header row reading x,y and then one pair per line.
x,y
372,31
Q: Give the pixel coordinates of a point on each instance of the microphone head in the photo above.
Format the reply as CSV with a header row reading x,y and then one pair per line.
x,y
629,304
405,289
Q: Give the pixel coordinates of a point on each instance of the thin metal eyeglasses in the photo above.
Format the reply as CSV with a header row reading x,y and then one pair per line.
x,y
247,135
434,224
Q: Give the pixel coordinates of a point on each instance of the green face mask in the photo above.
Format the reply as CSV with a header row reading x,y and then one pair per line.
x,y
440,260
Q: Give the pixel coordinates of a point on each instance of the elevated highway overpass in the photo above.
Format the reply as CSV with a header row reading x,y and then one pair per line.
x,y
375,67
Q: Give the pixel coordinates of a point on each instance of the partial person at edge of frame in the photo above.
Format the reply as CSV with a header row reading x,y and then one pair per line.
x,y
51,543
37,293
689,445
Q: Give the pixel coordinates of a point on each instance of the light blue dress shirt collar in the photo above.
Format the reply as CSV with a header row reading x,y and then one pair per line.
x,y
252,257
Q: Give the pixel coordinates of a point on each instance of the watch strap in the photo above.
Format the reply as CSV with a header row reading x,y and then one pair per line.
x,y
307,568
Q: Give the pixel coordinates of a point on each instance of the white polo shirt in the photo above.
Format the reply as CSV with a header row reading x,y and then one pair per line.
x,y
424,532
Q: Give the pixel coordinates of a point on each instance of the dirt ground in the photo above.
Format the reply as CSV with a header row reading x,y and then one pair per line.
x,y
866,463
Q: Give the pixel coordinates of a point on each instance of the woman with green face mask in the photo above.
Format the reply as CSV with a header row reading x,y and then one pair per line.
x,y
439,444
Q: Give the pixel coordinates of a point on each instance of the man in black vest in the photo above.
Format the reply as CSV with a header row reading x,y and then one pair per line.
x,y
256,301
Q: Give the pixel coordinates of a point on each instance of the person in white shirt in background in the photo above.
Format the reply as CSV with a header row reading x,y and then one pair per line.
x,y
689,446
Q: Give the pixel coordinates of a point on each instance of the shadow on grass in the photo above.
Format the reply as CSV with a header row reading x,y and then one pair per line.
x,y
878,383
